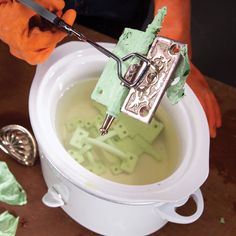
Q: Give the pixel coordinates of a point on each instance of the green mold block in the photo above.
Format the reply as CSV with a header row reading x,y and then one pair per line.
x,y
76,154
121,130
11,192
129,164
79,137
108,90
128,145
147,148
116,170
95,166
135,127
73,124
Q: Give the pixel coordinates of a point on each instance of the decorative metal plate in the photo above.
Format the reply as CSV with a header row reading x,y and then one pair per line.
x,y
143,99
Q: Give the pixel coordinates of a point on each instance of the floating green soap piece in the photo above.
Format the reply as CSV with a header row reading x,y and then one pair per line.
x,y
94,165
108,136
88,124
78,139
76,154
98,121
129,164
128,144
135,127
111,149
11,191
116,170
98,168
93,131
85,148
73,124
149,149
8,224
121,130
149,132
119,150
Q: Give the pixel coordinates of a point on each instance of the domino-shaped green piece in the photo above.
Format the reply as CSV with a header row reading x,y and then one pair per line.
x,y
149,149
73,124
115,169
135,127
78,138
121,130
128,144
150,132
76,154
129,164
94,165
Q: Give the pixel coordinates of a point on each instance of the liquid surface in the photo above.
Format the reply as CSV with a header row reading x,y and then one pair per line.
x,y
76,103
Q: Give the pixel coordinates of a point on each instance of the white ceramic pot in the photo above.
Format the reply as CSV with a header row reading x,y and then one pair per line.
x,y
101,205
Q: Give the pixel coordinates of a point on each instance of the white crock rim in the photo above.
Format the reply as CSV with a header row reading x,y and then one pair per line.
x,y
173,188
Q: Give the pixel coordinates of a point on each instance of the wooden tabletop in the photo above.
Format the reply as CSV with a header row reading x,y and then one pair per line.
x,y
36,219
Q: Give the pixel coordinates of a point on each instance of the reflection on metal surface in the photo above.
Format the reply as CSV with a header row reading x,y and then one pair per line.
x,y
143,99
17,142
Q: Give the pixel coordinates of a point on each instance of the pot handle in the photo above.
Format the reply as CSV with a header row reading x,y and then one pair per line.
x,y
167,211
53,198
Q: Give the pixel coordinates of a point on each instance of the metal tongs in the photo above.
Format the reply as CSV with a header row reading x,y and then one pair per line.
x,y
55,20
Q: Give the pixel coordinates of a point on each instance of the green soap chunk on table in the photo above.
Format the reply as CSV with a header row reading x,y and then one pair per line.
x,y
128,165
11,192
8,224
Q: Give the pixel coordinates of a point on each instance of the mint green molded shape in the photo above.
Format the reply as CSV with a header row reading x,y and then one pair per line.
x,y
11,192
8,224
127,140
109,90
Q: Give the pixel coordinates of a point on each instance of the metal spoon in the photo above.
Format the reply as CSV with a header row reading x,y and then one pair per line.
x,y
18,142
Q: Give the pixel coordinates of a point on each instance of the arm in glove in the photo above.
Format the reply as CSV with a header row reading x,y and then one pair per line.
x,y
29,37
177,26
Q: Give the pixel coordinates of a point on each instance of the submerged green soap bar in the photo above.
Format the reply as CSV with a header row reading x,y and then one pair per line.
x,y
11,191
109,90
8,224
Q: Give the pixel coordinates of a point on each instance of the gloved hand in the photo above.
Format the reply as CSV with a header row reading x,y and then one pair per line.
x,y
207,99
29,36
177,26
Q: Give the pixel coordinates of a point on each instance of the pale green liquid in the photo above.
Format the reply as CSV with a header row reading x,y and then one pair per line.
x,y
76,102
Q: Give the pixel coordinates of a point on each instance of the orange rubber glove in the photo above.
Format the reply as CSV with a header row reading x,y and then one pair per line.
x,y
177,26
29,36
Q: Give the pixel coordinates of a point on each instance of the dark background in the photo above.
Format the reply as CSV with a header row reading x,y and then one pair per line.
x,y
213,28
214,38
